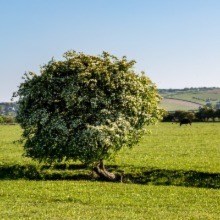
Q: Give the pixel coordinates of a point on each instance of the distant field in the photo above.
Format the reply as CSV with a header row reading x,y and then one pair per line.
x,y
174,104
165,161
199,97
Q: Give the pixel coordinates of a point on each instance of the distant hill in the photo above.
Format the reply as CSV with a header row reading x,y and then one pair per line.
x,y
190,98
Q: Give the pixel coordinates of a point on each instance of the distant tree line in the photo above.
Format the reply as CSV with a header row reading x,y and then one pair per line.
x,y
8,111
187,89
213,105
8,108
7,119
203,114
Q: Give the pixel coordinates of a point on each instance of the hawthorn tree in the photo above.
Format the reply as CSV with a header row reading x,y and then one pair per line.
x,y
85,108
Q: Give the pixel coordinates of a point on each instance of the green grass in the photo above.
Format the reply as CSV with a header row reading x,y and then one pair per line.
x,y
169,146
172,147
11,151
165,161
98,200
171,155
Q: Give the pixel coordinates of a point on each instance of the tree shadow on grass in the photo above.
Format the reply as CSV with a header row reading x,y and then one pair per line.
x,y
176,178
135,175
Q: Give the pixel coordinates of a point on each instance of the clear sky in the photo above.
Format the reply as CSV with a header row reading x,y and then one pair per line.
x,y
176,42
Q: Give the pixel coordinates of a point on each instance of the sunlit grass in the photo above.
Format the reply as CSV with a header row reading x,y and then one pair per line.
x,y
95,200
169,147
10,150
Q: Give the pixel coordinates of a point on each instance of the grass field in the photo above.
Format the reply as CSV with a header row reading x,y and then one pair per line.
x,y
94,200
162,165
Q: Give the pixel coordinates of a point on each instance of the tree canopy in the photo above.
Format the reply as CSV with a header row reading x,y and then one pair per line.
x,y
85,108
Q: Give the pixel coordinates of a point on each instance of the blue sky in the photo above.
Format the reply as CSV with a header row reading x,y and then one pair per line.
x,y
176,42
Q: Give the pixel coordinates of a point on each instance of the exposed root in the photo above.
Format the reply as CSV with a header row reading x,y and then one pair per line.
x,y
105,175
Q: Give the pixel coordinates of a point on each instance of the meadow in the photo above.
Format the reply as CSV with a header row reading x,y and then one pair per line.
x,y
174,173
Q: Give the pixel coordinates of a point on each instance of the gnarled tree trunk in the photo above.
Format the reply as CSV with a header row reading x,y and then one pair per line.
x,y
104,174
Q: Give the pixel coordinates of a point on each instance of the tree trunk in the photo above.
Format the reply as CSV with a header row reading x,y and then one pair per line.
x,y
104,174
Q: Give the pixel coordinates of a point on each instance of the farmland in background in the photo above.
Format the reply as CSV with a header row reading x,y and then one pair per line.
x,y
189,98
175,104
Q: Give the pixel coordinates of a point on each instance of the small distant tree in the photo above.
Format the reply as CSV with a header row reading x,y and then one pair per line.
x,y
168,116
211,114
8,119
201,115
85,108
217,105
1,109
190,115
209,105
179,114
205,113
217,114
